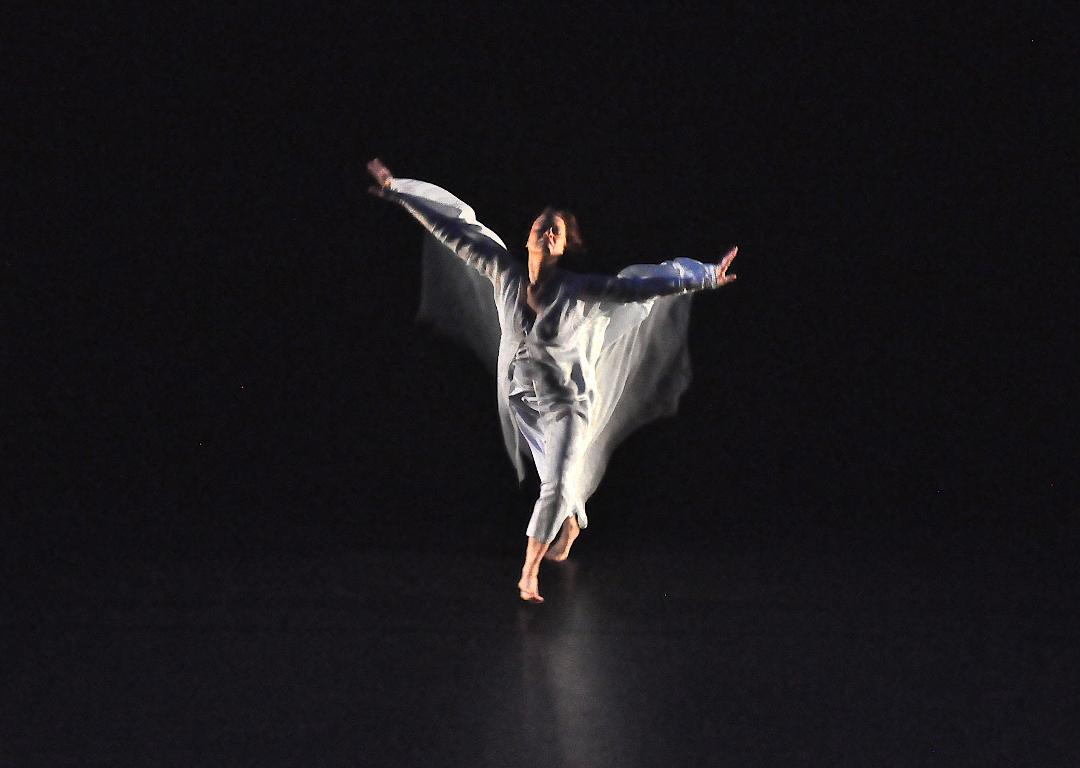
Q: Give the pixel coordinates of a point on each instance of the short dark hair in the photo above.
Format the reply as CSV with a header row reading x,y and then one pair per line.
x,y
575,244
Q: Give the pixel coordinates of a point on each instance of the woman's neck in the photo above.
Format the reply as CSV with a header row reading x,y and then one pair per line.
x,y
541,267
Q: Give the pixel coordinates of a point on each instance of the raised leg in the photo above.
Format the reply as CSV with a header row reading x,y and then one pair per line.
x,y
560,548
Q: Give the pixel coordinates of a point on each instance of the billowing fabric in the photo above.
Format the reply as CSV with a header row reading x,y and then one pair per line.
x,y
603,356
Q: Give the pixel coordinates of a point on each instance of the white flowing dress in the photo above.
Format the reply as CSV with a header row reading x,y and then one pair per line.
x,y
602,356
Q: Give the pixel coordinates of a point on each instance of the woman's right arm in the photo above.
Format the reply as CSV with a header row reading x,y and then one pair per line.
x,y
450,220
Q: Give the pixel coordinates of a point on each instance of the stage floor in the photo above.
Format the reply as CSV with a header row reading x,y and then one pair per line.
x,y
785,647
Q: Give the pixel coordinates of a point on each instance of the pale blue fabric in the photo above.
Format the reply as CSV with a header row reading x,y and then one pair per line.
x,y
604,355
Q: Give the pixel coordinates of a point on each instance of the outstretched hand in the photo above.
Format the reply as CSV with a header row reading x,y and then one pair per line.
x,y
722,277
381,174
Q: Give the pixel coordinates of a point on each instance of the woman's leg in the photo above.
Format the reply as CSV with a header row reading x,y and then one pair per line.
x,y
563,431
528,423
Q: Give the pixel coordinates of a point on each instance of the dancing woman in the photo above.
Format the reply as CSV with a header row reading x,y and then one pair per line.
x,y
582,358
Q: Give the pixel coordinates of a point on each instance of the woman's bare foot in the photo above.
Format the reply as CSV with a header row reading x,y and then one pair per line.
x,y
529,589
560,548
529,583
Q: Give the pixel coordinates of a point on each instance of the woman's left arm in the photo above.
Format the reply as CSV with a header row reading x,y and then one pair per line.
x,y
641,282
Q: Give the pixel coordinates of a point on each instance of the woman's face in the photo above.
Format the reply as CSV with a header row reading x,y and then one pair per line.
x,y
548,235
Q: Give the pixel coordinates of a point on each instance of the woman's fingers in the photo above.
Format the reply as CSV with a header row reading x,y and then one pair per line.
x,y
379,171
722,277
381,174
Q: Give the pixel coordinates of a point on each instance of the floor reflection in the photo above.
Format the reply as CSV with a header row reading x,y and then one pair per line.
x,y
570,709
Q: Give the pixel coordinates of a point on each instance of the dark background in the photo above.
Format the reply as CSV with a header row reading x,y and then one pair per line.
x,y
209,324
223,312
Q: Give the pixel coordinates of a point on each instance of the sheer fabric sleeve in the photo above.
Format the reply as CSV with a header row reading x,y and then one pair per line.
x,y
453,223
643,367
641,373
